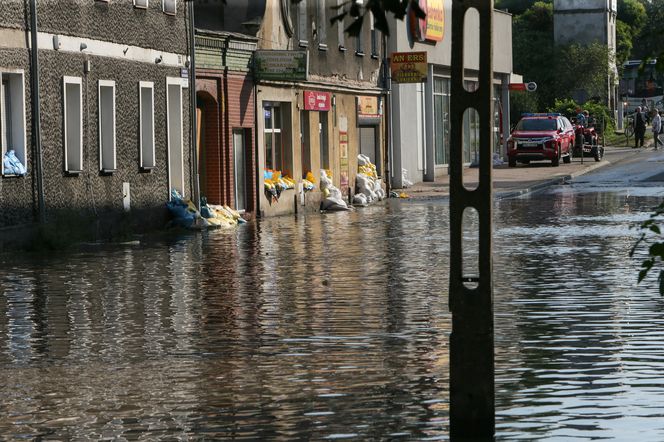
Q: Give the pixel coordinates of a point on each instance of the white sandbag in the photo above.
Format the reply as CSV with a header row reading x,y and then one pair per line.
x,y
405,182
360,199
364,185
363,160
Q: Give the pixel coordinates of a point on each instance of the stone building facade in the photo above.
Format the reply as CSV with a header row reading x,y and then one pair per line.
x,y
114,108
585,22
323,120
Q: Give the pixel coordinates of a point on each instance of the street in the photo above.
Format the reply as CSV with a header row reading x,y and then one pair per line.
x,y
336,326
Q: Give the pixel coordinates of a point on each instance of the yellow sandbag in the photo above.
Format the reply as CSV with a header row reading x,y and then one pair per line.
x,y
310,178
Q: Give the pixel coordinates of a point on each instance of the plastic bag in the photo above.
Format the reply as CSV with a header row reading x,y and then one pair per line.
x,y
12,164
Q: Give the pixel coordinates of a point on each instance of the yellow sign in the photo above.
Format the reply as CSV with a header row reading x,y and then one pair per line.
x,y
409,67
435,20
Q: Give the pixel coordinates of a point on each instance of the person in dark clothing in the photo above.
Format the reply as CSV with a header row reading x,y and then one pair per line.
x,y
639,128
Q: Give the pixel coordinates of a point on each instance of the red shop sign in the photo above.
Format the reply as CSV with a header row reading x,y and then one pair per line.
x,y
316,101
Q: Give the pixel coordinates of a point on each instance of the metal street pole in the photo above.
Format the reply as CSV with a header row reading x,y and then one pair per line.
x,y
192,93
36,112
472,390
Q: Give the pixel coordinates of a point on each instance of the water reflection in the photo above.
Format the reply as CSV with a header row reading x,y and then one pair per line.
x,y
333,327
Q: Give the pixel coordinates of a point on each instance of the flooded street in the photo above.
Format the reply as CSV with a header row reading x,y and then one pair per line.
x,y
337,326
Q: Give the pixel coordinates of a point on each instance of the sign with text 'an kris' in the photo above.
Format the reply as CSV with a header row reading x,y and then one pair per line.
x,y
409,67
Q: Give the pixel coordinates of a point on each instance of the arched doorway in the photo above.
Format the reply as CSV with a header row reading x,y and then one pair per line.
x,y
209,147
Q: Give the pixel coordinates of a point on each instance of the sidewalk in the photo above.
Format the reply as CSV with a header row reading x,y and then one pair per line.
x,y
513,181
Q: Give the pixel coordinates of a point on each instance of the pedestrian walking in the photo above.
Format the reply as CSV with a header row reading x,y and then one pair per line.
x,y
639,128
656,128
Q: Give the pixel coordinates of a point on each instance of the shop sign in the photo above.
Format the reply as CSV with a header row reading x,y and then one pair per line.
x,y
432,27
316,101
368,111
343,145
281,65
409,67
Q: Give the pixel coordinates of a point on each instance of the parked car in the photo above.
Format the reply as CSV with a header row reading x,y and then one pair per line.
x,y
537,137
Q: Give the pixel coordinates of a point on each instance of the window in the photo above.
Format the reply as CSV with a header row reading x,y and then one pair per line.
x,y
278,149
12,118
73,124
321,26
359,50
169,6
174,126
303,41
107,126
340,29
146,125
143,4
441,103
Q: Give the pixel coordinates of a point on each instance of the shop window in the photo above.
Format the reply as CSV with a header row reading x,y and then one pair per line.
x,y
73,124
277,147
303,40
12,121
107,160
169,6
146,125
142,4
441,102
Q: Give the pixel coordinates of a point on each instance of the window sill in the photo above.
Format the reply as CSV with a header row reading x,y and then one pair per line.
x,y
374,56
73,173
146,169
342,48
322,47
10,175
107,171
359,53
303,44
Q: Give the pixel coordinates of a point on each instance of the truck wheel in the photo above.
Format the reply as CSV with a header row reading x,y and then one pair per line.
x,y
599,153
511,162
555,162
568,158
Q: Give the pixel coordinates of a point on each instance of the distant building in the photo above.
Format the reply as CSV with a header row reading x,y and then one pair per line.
x,y
114,109
420,124
585,22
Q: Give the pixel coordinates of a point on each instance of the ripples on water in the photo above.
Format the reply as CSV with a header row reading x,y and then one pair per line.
x,y
333,327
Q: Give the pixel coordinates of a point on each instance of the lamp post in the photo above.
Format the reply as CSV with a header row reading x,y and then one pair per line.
x,y
192,91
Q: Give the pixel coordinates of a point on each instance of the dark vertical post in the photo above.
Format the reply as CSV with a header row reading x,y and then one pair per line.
x,y
192,108
36,112
472,412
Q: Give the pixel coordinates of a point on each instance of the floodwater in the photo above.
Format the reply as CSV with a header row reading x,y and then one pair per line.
x,y
336,327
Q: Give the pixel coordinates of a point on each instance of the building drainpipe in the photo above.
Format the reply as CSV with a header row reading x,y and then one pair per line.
x,y
192,91
36,115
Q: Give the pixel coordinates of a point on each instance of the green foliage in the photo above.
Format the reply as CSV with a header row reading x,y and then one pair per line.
x,y
583,68
624,37
534,51
515,6
565,106
650,231
357,10
648,40
522,102
633,14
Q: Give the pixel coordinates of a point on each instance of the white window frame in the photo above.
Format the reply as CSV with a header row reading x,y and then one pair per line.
x,y
145,165
16,79
165,4
78,81
141,4
104,167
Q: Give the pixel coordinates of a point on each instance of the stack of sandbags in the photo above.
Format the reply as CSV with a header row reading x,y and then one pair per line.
x,y
368,187
332,197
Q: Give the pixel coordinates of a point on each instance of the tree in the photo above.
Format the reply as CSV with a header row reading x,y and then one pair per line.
x,y
648,39
583,68
357,10
516,7
534,52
